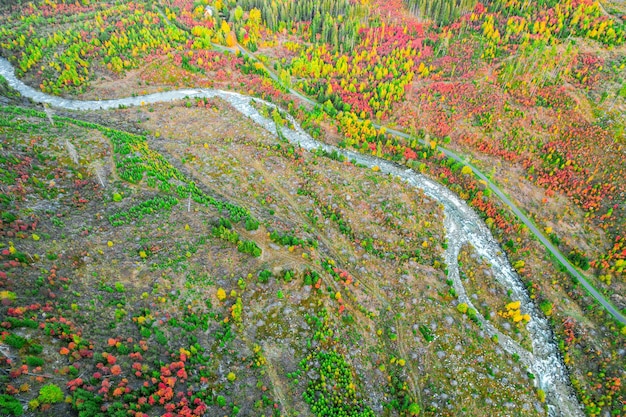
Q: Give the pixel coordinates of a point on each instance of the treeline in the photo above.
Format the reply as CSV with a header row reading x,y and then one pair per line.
x,y
335,22
440,11
525,7
10,6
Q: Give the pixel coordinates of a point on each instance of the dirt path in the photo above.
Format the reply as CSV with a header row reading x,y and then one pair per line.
x,y
411,372
272,355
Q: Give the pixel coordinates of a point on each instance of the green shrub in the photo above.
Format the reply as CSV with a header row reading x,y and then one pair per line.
x,y
250,247
123,349
579,259
15,341
546,307
34,361
225,233
15,323
252,224
87,403
426,332
310,277
462,308
50,394
264,276
20,257
160,337
225,223
291,240
148,207
288,276
35,349
347,318
414,409
10,406
8,217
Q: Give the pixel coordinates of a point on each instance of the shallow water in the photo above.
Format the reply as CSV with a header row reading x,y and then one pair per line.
x,y
462,226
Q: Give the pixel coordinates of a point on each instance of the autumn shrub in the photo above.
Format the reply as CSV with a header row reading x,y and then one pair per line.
x,y
542,395
237,310
33,404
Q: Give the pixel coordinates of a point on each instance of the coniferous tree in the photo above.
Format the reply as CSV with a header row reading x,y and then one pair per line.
x,y
332,21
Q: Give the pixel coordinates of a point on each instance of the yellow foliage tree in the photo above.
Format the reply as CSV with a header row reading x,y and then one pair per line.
x,y
225,27
231,40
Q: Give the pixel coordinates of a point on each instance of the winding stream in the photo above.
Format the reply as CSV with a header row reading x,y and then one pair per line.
x,y
462,226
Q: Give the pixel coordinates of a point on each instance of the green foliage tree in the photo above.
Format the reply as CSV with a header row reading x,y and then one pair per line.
x,y
440,11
